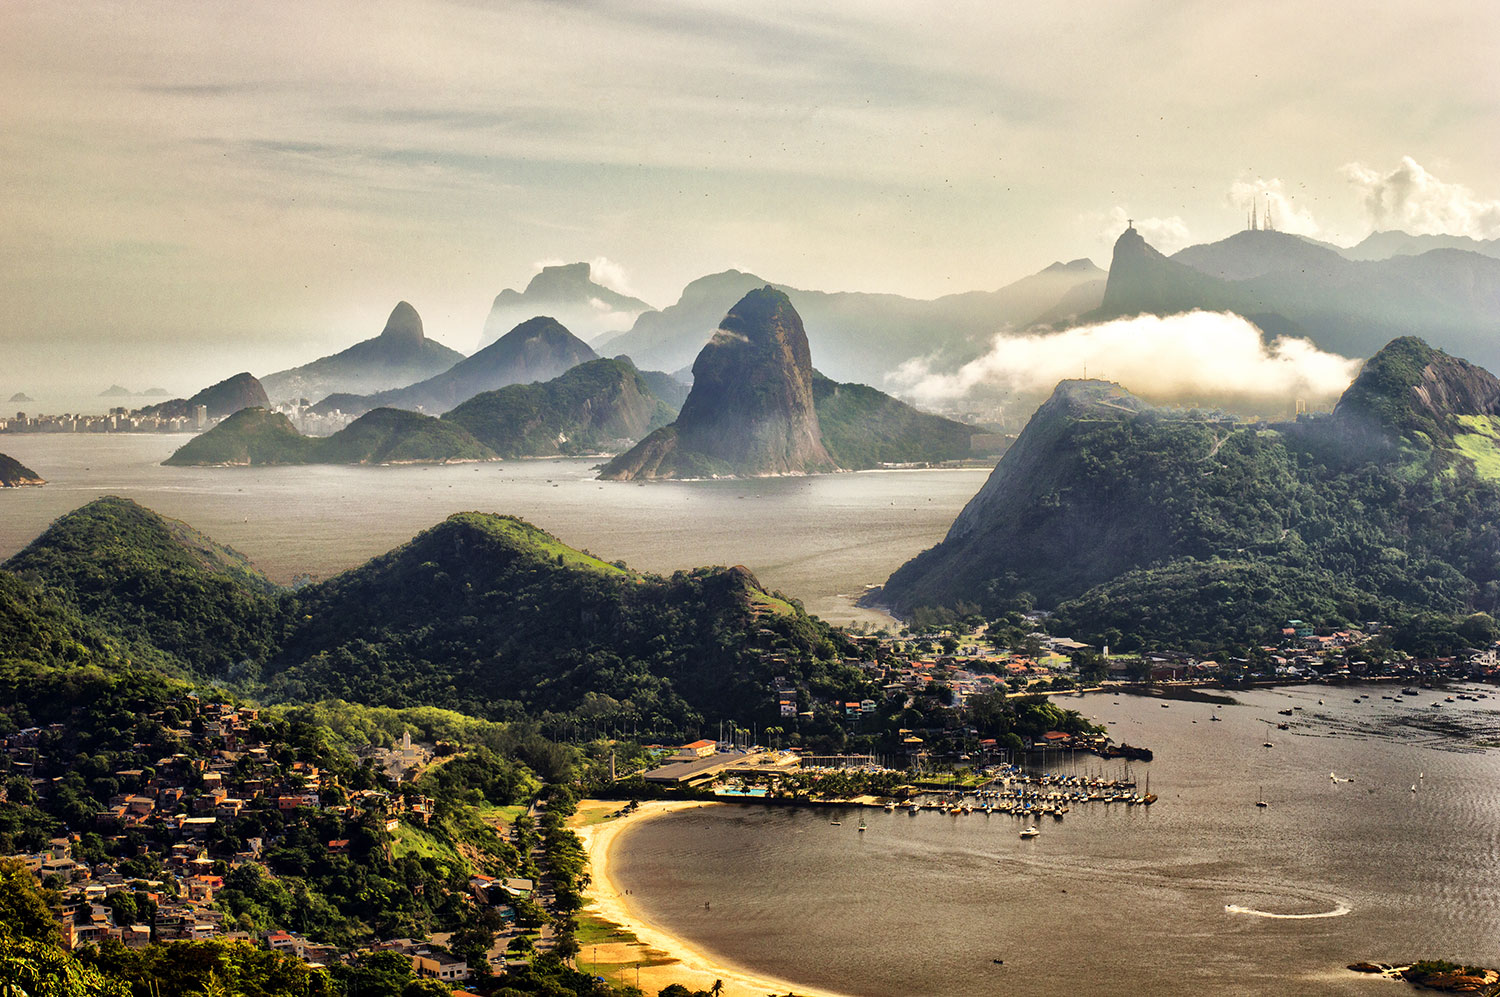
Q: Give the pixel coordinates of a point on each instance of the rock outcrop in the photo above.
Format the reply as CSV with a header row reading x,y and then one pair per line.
x,y
14,474
751,410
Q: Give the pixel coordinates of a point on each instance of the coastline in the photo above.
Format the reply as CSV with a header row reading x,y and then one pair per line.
x,y
663,958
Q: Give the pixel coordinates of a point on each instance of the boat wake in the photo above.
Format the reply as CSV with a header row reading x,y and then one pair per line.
x,y
1338,911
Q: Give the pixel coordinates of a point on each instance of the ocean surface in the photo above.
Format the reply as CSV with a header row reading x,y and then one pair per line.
x,y
821,539
1201,893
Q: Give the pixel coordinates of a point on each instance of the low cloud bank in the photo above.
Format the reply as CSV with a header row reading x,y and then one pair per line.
x,y
1199,357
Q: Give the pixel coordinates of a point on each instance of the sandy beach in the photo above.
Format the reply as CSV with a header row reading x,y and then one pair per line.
x,y
663,957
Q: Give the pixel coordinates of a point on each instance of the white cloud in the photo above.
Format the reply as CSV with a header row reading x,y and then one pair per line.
x,y
610,274
1213,357
1412,200
1285,214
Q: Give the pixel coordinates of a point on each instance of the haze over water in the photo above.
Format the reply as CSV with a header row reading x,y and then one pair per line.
x,y
820,539
1116,900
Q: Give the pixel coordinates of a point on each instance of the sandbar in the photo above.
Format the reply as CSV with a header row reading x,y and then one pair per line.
x,y
671,959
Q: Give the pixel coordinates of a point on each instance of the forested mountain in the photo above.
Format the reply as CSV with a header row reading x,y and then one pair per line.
x,y
400,355
598,406
1141,524
481,613
256,436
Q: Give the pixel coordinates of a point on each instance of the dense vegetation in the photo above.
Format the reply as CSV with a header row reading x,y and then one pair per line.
x,y
488,615
596,406
863,428
13,473
381,436
166,591
1142,525
484,614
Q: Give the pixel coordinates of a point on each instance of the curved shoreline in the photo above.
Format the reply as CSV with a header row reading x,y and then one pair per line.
x,y
679,961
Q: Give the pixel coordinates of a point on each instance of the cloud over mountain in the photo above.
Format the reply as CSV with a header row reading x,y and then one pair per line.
x,y
1413,200
1213,357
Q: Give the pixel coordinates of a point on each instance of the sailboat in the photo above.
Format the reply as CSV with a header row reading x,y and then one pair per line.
x,y
1262,801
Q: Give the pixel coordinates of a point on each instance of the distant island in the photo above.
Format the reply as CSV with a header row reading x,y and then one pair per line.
x,y
14,474
21,397
116,391
258,436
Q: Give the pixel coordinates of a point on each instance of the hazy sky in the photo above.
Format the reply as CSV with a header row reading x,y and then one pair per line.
x,y
191,189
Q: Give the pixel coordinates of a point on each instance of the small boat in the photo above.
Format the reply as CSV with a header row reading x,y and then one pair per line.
x,y
1283,726
862,824
1215,718
837,823
1262,801
1285,713
1268,744
1029,832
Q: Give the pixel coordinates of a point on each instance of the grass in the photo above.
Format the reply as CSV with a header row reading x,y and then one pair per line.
x,y
526,537
1481,445
408,840
499,817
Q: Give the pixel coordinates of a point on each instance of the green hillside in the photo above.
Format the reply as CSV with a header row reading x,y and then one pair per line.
x,y
1137,524
156,584
598,406
863,428
491,616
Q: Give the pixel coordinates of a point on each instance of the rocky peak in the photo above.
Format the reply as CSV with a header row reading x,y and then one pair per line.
x,y
404,327
1409,387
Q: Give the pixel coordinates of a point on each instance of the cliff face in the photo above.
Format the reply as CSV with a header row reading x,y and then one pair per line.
x,y
14,474
1409,388
751,410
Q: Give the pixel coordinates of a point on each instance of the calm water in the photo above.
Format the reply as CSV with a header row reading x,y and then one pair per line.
x,y
820,539
1115,900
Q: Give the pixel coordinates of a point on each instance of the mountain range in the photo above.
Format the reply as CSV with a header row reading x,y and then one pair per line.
x,y
1290,286
1137,525
538,349
863,336
399,356
481,613
569,294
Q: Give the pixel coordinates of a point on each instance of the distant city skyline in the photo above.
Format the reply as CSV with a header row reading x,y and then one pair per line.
x,y
193,190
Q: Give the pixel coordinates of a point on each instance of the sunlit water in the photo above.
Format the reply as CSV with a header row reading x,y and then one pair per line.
x,y
820,539
1202,893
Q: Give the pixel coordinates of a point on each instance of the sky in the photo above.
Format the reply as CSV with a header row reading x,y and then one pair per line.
x,y
192,189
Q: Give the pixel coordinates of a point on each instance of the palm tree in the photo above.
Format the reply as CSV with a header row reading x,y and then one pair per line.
x,y
717,989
